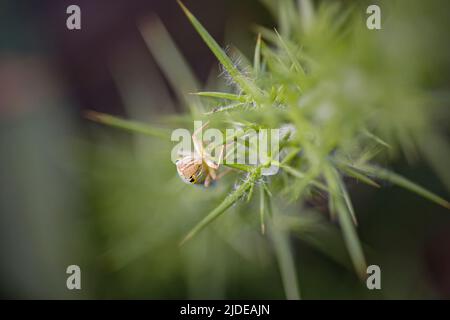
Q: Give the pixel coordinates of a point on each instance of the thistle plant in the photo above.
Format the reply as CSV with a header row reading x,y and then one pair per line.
x,y
352,104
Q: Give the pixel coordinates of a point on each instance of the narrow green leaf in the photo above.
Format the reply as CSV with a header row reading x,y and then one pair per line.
x,y
347,199
286,263
242,167
266,34
221,95
250,192
257,55
306,14
133,126
291,56
376,138
171,62
404,183
224,205
370,153
266,188
291,155
312,228
245,84
299,175
349,171
333,188
262,207
230,107
351,239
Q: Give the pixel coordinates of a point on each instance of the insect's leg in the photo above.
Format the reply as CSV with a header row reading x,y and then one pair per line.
x,y
220,155
198,144
207,181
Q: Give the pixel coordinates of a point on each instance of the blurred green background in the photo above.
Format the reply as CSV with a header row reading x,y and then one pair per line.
x,y
74,192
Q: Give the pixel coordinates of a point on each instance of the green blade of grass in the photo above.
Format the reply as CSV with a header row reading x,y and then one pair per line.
x,y
290,156
312,229
436,150
286,263
351,239
221,95
377,139
306,14
224,205
347,199
349,171
333,188
299,175
404,183
129,125
245,84
293,59
242,63
250,192
257,55
171,61
230,107
241,167
266,34
262,208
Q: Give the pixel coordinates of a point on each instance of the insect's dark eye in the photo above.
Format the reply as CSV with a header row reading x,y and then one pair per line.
x,y
191,180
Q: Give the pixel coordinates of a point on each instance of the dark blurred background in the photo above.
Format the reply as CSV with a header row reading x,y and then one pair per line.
x,y
49,76
82,59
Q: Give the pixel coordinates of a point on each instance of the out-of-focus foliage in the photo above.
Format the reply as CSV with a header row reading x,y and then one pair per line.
x,y
351,95
356,101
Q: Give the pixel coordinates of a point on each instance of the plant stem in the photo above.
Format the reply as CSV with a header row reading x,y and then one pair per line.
x,y
286,263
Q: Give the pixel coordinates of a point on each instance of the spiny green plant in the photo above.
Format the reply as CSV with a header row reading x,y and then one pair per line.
x,y
347,100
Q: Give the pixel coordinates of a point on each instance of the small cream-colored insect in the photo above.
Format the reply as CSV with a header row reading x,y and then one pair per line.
x,y
198,167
